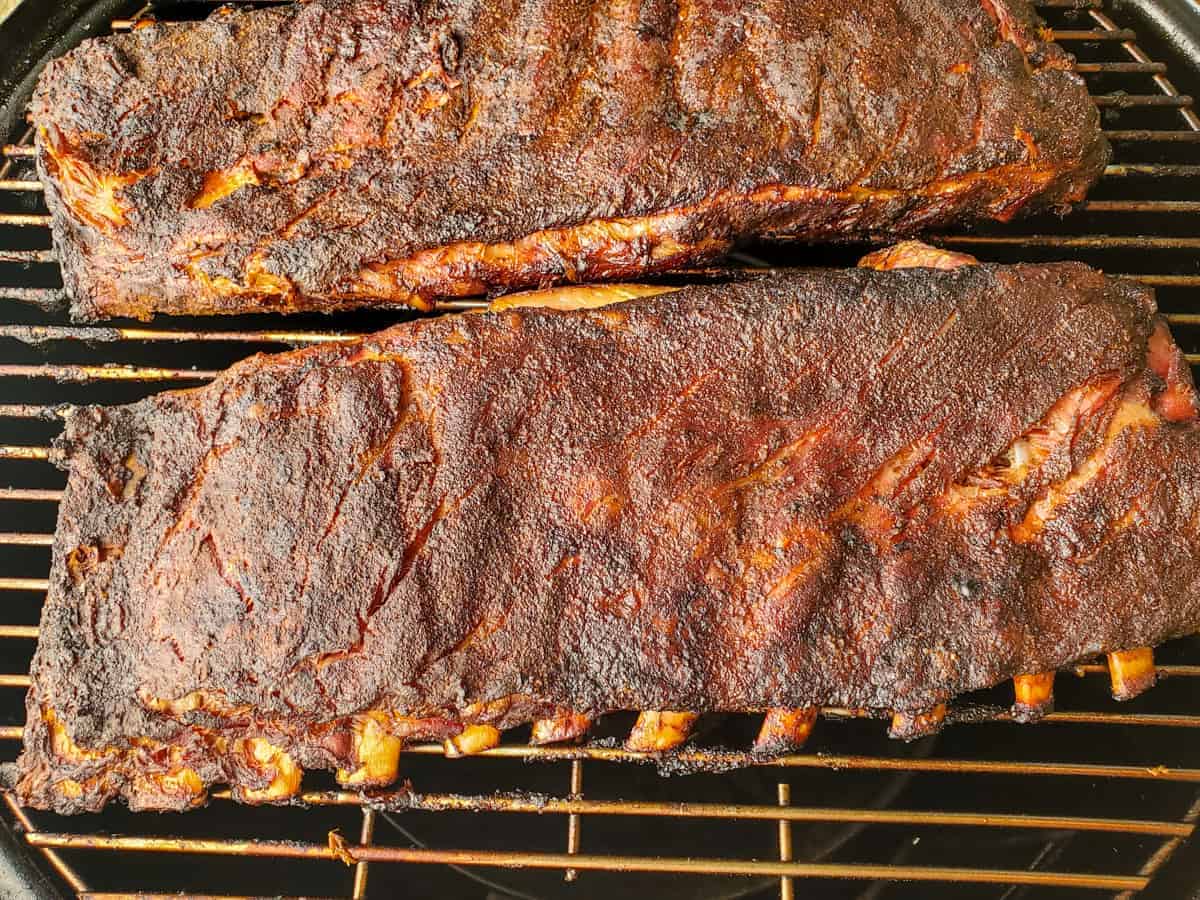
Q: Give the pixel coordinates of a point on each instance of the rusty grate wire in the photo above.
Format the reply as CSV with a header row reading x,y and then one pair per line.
x,y
1138,218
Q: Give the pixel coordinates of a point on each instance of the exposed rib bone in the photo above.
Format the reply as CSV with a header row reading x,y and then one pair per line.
x,y
785,729
910,726
1131,671
564,725
656,731
472,739
1034,696
915,254
265,757
377,753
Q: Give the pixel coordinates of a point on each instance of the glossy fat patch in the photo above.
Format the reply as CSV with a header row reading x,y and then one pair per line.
x,y
470,268
65,748
915,254
94,196
1131,414
258,280
209,702
579,296
868,508
1025,456
181,787
219,185
1177,402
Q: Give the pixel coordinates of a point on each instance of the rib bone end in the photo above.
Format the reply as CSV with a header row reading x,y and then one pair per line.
x,y
471,740
1034,696
1131,672
785,729
377,753
564,725
657,731
264,757
910,726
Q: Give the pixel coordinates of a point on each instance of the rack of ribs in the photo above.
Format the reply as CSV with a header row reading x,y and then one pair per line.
x,y
346,153
854,488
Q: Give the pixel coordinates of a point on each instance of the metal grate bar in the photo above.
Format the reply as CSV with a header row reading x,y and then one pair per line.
x,y
18,631
142,895
47,298
1153,170
1140,206
664,864
1083,717
1148,134
107,372
36,334
23,584
1134,68
362,867
723,759
36,495
69,875
9,451
1073,241
25,220
1165,850
1168,281
1092,34
1139,56
27,538
1132,101
1170,671
576,805
33,411
787,887
22,537
573,821
28,256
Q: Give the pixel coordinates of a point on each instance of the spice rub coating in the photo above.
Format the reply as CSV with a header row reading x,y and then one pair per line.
x,y
857,488
345,153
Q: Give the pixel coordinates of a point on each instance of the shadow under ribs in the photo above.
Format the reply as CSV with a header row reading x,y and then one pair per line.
x,y
343,153
865,489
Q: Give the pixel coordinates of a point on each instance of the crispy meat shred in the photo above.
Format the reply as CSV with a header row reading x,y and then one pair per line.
x,y
346,153
866,489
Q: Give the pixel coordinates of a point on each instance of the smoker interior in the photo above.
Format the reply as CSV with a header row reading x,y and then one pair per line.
x,y
1099,799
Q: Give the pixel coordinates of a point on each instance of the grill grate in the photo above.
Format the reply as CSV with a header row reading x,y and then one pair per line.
x,y
989,797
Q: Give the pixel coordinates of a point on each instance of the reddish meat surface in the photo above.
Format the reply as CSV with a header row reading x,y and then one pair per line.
x,y
865,489
344,153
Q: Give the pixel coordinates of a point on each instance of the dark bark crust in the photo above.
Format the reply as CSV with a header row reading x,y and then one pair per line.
x,y
393,151
781,493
